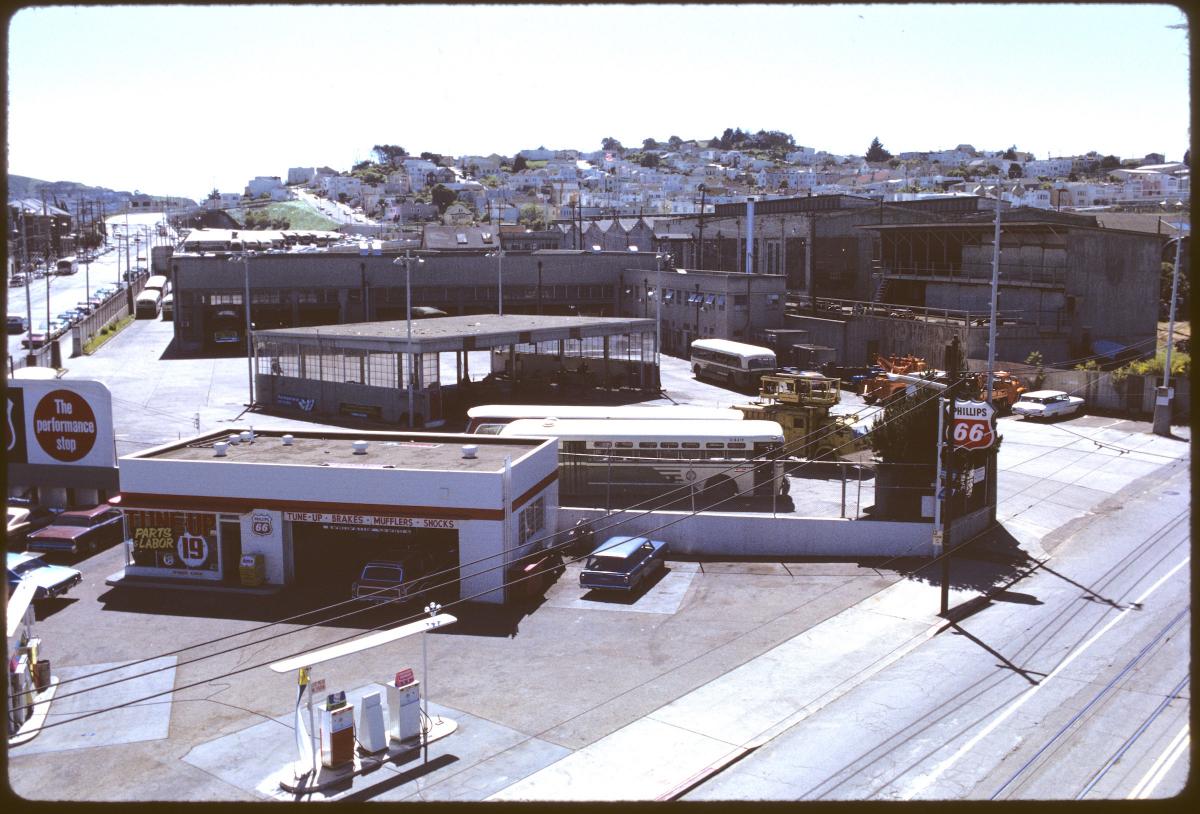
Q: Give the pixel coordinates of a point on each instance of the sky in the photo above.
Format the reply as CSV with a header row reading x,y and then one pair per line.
x,y
177,100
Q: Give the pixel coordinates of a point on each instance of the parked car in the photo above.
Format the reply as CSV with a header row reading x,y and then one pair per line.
x,y
394,580
621,563
84,308
36,338
17,324
79,530
16,280
49,580
68,317
1047,404
22,520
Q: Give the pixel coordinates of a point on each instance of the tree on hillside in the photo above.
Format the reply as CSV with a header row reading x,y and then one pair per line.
x,y
436,158
519,163
442,198
1110,162
649,160
389,153
1010,154
714,142
876,152
531,215
611,144
674,142
649,144
1015,171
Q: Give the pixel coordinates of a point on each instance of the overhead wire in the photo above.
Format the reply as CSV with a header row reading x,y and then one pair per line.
x,y
449,571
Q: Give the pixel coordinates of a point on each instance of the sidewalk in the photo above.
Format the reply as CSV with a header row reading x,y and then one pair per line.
x,y
679,744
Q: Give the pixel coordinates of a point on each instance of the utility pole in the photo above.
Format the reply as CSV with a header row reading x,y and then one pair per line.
x,y
991,366
700,242
945,474
30,358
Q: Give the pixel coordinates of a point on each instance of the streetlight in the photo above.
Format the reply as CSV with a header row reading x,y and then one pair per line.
x,y
406,261
1162,404
433,609
499,255
244,257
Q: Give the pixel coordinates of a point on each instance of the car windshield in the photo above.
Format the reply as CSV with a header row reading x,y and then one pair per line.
x,y
383,573
26,567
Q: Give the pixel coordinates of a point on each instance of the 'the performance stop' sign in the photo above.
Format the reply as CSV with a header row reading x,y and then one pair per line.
x,y
64,426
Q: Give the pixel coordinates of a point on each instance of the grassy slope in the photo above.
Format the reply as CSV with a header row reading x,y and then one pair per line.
x,y
298,213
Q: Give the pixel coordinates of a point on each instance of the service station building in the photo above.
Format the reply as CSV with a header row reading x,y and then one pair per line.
x,y
317,506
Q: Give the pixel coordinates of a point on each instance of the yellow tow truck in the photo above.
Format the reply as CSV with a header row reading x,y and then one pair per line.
x,y
800,403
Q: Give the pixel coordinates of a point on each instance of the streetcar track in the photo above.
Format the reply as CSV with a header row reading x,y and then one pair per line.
x,y
957,702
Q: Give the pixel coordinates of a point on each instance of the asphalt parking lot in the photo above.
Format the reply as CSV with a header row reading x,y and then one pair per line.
x,y
528,685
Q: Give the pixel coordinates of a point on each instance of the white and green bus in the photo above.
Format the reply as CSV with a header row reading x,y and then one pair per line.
x,y
732,363
716,459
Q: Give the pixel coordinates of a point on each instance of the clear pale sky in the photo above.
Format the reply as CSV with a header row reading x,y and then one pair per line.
x,y
177,99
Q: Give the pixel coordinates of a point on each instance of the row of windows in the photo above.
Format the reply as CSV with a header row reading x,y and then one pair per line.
x,y
717,357
532,519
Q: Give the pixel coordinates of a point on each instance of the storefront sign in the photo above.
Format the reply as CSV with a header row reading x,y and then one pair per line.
x,y
183,543
288,400
59,422
260,524
375,520
361,410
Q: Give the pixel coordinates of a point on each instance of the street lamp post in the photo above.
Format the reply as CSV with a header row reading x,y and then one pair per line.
x,y
499,255
244,257
433,609
406,261
1162,403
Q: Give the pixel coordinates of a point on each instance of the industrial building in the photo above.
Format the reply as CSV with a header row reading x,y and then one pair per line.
x,y
362,370
309,509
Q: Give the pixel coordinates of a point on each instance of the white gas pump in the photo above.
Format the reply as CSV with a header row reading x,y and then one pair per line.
x,y
404,710
368,722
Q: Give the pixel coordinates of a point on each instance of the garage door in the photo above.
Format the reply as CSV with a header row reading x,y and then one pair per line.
x,y
329,557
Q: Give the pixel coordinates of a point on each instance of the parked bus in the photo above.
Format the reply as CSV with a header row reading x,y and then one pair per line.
x,y
489,419
147,304
168,308
615,458
66,265
160,283
731,363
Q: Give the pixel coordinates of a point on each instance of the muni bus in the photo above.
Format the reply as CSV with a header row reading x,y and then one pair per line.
x,y
147,304
67,265
702,457
159,282
731,363
489,419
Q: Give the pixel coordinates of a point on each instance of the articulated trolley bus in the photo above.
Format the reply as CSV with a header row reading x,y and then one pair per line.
x,y
489,419
732,363
597,457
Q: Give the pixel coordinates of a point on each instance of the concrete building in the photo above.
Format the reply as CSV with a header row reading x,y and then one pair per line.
x,y
1068,288
315,507
364,370
301,175
267,185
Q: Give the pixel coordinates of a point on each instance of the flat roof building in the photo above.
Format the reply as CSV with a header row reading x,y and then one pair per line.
x,y
315,507
363,369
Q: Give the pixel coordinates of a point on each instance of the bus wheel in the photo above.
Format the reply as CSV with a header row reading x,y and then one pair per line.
x,y
719,488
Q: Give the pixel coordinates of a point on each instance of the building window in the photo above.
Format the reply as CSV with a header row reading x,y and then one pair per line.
x,y
532,520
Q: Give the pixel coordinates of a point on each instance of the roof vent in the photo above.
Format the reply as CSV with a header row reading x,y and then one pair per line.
x,y
235,439
219,449
550,421
469,450
247,436
287,440
360,447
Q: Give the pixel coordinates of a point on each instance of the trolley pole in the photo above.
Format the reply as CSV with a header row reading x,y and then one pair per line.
x,y
941,519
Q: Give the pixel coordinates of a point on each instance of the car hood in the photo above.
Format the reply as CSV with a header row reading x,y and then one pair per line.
x,y
53,532
49,576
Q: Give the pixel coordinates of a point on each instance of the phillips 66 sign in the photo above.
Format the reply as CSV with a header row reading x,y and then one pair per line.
x,y
974,425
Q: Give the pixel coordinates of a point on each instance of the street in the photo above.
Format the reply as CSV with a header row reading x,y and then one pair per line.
x,y
1051,681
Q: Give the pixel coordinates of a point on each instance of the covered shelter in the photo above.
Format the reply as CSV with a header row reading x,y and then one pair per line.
x,y
361,370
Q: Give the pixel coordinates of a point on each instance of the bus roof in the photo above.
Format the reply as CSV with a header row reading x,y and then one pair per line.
x,y
148,294
512,412
681,430
727,346
157,281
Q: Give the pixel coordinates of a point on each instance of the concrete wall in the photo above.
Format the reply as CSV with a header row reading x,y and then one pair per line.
x,y
1134,395
851,339
736,535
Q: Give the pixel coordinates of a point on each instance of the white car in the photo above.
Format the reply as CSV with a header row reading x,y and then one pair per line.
x,y
1047,404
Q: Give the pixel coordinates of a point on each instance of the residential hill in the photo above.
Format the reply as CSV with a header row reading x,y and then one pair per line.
x,y
67,193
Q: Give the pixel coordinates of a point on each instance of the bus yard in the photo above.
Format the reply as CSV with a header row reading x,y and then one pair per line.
x,y
693,630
